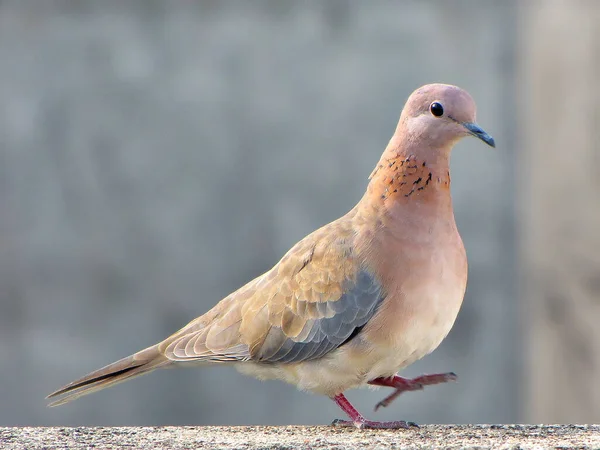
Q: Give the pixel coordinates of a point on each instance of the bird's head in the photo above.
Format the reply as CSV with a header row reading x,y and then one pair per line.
x,y
438,115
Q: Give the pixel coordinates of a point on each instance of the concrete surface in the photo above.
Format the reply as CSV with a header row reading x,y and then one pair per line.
x,y
429,436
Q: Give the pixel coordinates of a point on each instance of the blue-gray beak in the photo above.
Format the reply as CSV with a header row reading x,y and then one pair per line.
x,y
476,131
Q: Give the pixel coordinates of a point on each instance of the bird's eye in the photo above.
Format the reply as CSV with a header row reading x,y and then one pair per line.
x,y
436,109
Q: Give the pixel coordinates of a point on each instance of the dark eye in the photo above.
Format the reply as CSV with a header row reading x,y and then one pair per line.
x,y
436,109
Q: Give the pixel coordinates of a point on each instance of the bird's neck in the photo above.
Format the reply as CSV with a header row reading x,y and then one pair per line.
x,y
402,177
407,193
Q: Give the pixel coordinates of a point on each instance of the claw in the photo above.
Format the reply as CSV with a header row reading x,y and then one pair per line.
x,y
373,425
358,421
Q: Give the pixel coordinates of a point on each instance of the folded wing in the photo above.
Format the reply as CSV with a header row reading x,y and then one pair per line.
x,y
314,300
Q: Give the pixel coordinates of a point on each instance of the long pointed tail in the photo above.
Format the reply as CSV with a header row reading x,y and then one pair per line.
x,y
132,366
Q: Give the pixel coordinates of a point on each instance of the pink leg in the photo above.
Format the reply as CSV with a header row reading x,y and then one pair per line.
x,y
405,384
358,421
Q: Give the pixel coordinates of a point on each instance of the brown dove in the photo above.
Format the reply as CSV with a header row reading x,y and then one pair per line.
x,y
355,301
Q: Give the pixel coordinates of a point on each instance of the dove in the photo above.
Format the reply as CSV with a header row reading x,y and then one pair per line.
x,y
355,301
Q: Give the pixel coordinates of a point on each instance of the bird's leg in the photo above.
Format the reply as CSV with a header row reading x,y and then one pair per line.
x,y
357,420
406,384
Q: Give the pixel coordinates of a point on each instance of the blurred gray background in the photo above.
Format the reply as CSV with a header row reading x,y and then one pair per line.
x,y
156,155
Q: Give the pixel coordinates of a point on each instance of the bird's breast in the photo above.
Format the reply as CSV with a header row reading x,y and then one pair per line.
x,y
425,280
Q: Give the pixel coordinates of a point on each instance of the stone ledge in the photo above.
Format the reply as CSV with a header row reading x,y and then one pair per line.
x,y
428,436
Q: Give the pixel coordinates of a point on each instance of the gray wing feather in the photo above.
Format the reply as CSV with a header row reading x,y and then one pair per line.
x,y
341,318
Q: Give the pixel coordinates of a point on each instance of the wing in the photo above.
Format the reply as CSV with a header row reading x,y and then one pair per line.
x,y
314,300
301,330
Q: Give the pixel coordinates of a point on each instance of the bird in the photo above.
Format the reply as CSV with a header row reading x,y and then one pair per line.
x,y
355,301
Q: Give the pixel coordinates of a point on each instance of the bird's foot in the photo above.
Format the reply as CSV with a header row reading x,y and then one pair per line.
x,y
373,425
405,384
358,421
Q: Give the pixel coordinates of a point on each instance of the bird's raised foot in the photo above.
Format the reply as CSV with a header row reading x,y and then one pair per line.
x,y
374,425
405,384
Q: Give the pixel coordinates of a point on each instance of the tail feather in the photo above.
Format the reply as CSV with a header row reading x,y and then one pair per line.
x,y
132,366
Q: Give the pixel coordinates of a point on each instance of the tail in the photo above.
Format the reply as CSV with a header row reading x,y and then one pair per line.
x,y
132,366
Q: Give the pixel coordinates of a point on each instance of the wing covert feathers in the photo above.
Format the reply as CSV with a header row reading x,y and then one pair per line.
x,y
306,306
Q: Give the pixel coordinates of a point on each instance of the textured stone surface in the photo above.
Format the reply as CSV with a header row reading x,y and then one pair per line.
x,y
431,436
